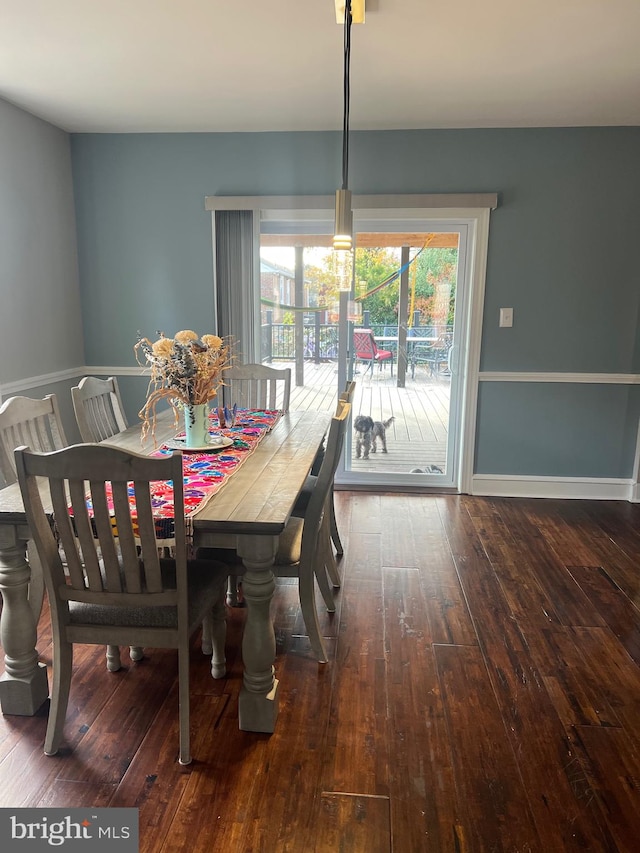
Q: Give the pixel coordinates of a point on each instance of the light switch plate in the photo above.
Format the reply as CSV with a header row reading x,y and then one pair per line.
x,y
506,316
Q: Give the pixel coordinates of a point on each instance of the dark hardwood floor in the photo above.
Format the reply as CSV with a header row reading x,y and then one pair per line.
x,y
483,695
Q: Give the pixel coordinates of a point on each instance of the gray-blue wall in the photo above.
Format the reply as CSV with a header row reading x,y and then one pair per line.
x,y
561,253
40,325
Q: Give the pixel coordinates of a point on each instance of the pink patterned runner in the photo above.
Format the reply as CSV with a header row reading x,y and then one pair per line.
x,y
205,473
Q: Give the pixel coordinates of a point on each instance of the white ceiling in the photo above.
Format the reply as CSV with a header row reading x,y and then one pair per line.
x,y
205,65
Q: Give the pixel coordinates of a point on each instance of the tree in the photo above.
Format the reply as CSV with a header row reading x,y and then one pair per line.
x,y
373,266
436,279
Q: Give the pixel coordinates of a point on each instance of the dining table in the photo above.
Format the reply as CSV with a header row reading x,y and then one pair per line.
x,y
248,512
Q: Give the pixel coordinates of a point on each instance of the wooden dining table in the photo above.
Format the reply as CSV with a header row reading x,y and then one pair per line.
x,y
249,512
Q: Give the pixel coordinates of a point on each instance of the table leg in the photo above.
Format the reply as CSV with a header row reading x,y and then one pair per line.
x,y
258,701
23,687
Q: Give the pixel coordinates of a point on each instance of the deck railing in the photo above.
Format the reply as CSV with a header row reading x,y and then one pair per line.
x,y
320,340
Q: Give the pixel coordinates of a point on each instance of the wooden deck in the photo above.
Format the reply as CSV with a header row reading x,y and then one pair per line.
x,y
418,435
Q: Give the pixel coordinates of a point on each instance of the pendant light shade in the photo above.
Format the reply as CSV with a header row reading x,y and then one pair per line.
x,y
343,231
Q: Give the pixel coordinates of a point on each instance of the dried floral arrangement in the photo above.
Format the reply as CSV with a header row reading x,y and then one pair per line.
x,y
186,370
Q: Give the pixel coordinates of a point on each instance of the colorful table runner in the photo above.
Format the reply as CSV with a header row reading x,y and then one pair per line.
x,y
205,473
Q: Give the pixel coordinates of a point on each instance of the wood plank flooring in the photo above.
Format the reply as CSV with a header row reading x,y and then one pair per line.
x,y
483,694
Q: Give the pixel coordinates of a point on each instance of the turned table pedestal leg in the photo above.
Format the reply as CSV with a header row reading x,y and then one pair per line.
x,y
23,687
258,701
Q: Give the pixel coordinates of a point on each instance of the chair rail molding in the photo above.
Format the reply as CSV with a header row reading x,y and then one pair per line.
x,y
572,378
8,389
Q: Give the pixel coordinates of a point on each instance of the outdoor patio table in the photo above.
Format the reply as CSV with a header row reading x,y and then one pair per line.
x,y
249,511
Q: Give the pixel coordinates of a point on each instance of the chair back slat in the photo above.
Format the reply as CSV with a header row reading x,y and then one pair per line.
x,y
79,523
148,540
104,530
31,422
126,537
98,408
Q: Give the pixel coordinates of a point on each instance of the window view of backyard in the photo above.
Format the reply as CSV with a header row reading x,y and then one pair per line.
x,y
401,313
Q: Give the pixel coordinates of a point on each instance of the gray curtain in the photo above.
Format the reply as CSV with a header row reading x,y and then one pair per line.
x,y
235,298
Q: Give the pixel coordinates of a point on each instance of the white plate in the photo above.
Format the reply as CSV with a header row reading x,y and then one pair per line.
x,y
210,447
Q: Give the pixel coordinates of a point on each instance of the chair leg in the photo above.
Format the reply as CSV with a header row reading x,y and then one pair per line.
x,y
183,702
310,614
326,566
332,569
323,583
113,658
216,623
232,592
206,642
36,583
335,533
62,669
136,653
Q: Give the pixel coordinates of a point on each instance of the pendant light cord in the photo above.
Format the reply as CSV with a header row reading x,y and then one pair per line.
x,y
347,94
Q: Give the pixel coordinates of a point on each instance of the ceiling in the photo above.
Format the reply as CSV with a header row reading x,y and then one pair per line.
x,y
266,65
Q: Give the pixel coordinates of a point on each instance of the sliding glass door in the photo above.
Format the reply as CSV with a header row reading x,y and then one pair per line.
x,y
402,328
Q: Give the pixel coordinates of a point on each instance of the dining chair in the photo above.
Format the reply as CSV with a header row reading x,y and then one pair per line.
x,y
117,588
36,422
304,547
257,386
303,499
366,349
100,414
98,408
38,425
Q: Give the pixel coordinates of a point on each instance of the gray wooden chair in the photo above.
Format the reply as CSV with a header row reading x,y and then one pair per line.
x,y
257,386
98,408
37,423
304,547
301,504
26,420
113,594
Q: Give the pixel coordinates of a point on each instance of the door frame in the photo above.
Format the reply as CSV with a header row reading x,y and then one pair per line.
x,y
473,209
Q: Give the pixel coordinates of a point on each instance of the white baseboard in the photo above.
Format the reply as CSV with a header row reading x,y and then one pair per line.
x,y
582,488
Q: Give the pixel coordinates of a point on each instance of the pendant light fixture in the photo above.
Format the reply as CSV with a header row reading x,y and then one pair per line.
x,y
343,231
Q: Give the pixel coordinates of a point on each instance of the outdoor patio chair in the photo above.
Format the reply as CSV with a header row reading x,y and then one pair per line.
x,y
366,349
436,355
117,589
